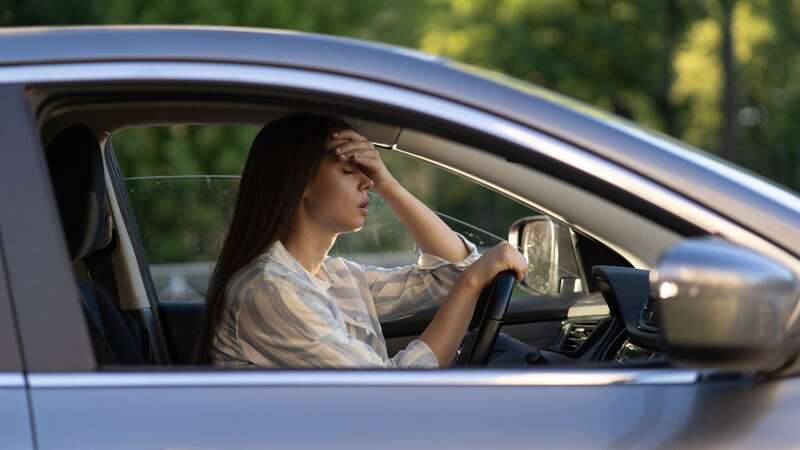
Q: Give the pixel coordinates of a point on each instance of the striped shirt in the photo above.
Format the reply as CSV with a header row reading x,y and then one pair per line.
x,y
278,315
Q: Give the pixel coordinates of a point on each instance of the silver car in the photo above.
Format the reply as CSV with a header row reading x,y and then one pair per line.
x,y
660,309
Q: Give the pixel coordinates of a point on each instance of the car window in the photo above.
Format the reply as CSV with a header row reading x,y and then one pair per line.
x,y
181,182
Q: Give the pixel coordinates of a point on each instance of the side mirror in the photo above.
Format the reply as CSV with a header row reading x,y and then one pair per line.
x,y
725,306
549,247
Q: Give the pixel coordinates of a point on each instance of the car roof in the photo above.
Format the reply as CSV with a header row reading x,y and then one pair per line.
x,y
748,200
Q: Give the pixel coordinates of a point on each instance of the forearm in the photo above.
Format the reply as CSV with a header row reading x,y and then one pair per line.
x,y
443,335
430,233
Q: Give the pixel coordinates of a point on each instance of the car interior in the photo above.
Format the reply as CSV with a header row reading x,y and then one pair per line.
x,y
613,322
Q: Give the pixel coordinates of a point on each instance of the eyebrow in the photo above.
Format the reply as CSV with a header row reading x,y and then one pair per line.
x,y
350,164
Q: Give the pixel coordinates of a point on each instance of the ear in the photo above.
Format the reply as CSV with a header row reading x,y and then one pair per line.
x,y
306,193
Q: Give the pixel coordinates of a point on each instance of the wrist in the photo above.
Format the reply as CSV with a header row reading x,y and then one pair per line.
x,y
469,281
388,186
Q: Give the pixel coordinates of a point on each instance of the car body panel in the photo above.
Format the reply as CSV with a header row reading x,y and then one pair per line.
x,y
250,415
38,266
15,420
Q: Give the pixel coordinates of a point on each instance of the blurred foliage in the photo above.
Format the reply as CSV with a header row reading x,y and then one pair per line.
x,y
182,219
656,62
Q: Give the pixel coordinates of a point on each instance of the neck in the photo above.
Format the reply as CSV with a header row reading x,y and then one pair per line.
x,y
308,244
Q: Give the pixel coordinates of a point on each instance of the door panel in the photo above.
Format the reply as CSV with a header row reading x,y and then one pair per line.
x,y
15,420
521,310
15,423
46,301
182,323
533,320
414,417
538,334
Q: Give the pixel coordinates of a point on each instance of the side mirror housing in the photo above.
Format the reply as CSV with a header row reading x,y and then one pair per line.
x,y
725,306
549,247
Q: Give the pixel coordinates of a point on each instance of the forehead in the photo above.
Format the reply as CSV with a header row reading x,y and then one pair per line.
x,y
331,162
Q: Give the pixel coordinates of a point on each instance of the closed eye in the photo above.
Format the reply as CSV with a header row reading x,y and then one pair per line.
x,y
349,168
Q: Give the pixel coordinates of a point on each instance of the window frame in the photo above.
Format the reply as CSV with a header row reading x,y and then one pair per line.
x,y
633,191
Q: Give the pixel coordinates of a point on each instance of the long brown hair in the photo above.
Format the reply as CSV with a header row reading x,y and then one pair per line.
x,y
285,156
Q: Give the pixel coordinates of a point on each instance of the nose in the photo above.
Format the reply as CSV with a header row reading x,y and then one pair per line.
x,y
366,182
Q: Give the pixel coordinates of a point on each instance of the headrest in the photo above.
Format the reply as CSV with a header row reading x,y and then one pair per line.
x,y
76,170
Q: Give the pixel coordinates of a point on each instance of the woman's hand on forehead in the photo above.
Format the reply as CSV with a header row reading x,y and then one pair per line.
x,y
350,146
342,137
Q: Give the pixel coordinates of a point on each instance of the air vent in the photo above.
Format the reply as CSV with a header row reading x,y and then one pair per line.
x,y
575,333
648,319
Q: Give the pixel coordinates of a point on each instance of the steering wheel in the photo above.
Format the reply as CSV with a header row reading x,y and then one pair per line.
x,y
486,321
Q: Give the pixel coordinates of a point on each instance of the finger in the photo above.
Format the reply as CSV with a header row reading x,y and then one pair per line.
x,y
357,144
359,157
515,260
349,134
333,143
342,138
517,268
522,269
354,147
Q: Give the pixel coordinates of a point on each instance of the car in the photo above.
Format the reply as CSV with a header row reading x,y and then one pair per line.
x,y
660,309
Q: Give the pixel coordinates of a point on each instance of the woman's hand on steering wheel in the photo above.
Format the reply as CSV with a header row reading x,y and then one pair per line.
x,y
492,274
499,258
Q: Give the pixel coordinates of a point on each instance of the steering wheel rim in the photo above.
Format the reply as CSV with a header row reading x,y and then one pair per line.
x,y
490,310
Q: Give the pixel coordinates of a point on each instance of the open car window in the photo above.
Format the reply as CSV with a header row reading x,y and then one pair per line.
x,y
181,182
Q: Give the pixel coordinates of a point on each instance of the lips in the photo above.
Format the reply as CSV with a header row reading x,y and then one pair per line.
x,y
364,207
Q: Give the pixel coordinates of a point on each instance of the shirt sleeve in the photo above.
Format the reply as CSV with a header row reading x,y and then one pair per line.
x,y
404,290
282,325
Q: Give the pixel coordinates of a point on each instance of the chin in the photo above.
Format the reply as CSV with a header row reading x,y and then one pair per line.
x,y
359,226
356,225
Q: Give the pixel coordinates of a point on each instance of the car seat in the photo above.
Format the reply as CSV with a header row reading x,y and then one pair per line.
x,y
76,171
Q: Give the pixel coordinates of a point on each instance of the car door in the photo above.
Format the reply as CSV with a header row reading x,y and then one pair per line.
x,y
75,404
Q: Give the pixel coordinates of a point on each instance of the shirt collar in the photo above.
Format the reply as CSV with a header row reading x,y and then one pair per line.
x,y
280,255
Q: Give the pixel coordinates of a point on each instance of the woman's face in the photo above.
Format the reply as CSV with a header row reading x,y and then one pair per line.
x,y
336,198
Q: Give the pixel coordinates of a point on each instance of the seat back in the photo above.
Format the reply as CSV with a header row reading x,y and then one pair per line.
x,y
76,170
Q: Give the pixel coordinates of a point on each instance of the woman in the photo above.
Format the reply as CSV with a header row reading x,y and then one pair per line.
x,y
277,300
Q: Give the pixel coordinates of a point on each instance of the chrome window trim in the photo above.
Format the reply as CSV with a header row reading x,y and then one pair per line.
x,y
237,378
578,159
12,380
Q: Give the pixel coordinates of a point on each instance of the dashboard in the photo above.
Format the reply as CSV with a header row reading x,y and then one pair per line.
x,y
628,334
630,352
617,325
